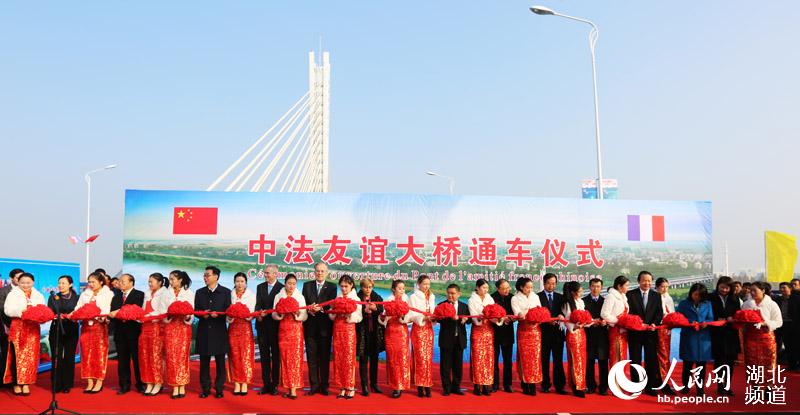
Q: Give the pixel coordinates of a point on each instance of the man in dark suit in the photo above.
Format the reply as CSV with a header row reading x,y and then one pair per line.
x,y
794,313
452,342
212,332
596,339
503,338
645,303
126,334
318,329
267,329
724,339
552,337
4,319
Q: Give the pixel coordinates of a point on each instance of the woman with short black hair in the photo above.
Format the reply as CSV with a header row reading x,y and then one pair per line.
x,y
64,301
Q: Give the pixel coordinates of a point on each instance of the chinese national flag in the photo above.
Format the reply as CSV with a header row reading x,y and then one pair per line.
x,y
194,221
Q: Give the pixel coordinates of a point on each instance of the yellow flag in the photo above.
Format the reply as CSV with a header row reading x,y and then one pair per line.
x,y
781,255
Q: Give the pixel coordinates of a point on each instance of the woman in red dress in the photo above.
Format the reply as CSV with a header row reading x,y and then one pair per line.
x,y
481,349
664,334
344,342
398,362
290,338
760,348
178,334
22,360
242,358
576,338
422,337
94,333
615,305
529,337
151,340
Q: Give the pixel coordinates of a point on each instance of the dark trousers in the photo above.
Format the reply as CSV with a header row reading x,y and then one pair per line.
x,y
553,343
794,339
686,373
318,355
127,351
64,358
783,337
508,366
368,363
270,360
205,372
3,353
727,360
647,340
602,365
451,362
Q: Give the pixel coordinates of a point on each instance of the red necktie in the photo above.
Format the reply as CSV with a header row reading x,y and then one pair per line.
x,y
124,297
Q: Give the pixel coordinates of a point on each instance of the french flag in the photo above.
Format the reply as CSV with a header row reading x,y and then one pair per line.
x,y
646,228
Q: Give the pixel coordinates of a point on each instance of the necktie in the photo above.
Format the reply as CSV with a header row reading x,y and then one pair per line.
x,y
549,300
124,297
319,288
644,299
456,307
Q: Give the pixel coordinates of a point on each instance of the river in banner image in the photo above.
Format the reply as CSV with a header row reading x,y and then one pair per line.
x,y
142,269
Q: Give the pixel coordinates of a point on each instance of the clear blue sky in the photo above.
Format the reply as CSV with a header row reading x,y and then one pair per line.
x,y
699,101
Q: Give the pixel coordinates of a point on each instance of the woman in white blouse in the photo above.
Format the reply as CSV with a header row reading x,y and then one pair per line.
x,y
398,362
290,337
759,339
576,338
664,334
422,336
151,340
529,337
22,360
178,334
615,305
481,339
94,333
240,337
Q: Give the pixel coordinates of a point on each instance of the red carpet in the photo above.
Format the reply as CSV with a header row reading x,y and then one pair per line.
x,y
108,402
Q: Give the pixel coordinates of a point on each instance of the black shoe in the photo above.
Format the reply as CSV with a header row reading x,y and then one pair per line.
x,y
590,390
525,388
580,394
458,391
561,391
204,394
427,392
97,391
445,392
495,388
420,392
323,391
65,390
395,394
364,390
545,389
123,391
532,389
273,390
507,389
602,391
477,390
264,390
312,392
219,395
486,391
374,388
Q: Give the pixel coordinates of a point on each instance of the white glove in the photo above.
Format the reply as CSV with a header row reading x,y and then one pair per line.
x,y
758,325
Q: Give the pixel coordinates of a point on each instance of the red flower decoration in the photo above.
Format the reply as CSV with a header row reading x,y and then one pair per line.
x,y
538,314
630,322
444,311
676,319
238,310
38,314
130,312
494,311
343,305
396,308
87,312
287,305
580,317
748,316
180,309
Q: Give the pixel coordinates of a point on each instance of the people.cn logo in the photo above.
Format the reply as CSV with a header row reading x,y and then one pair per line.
x,y
619,383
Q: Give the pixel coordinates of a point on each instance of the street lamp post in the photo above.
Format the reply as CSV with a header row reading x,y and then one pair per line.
x,y
449,179
88,178
593,34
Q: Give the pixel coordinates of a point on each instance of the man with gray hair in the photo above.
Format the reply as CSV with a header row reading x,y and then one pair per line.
x,y
267,329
